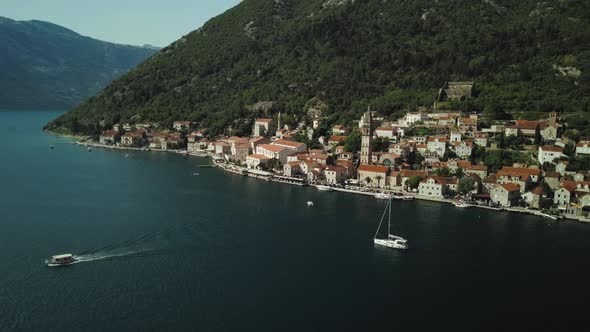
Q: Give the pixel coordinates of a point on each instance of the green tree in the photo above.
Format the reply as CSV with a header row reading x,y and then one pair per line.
x,y
466,184
353,142
414,182
459,172
442,171
379,178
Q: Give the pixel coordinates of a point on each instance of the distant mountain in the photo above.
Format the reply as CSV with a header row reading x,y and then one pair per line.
x,y
525,56
46,66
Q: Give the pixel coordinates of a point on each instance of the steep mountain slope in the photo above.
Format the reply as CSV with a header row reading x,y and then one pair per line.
x,y
46,66
526,57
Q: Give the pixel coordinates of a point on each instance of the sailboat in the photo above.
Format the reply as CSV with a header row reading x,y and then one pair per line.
x,y
392,241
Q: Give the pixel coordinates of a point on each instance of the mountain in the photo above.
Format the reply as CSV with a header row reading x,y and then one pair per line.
x,y
46,66
526,57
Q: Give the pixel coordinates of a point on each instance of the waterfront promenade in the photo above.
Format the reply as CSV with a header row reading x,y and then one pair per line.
x,y
268,176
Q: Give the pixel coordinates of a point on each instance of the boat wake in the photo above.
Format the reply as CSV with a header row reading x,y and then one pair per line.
x,y
102,256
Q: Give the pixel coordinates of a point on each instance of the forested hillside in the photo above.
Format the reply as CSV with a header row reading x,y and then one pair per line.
x,y
526,57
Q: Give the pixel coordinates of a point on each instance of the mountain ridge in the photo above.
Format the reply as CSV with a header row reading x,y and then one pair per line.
x,y
47,66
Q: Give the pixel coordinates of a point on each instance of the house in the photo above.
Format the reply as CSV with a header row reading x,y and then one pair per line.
x,y
338,130
256,141
481,139
455,136
262,127
400,149
437,145
291,145
253,161
553,179
529,129
388,159
561,167
479,170
336,140
133,138
411,118
583,149
222,148
463,149
373,175
110,137
173,142
564,195
434,187
292,168
406,174
182,125
240,151
467,126
274,151
386,132
334,174
549,153
506,194
533,197
455,164
520,176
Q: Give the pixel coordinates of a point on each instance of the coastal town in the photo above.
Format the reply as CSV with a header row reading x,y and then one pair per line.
x,y
533,166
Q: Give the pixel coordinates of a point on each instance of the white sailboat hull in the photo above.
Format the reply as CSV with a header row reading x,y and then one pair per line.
x,y
390,244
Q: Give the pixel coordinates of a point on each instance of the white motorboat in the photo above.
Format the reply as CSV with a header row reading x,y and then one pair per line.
x,y
61,260
392,241
383,196
324,188
89,149
309,203
460,204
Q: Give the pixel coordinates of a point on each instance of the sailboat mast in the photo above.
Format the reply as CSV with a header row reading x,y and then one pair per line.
x,y
381,222
389,221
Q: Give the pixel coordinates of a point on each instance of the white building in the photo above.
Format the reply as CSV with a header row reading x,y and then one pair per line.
x,y
433,186
262,127
583,149
455,136
386,132
437,145
254,160
548,153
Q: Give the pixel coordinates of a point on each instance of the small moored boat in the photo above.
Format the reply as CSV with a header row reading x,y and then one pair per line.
x,y
324,188
309,203
460,204
60,260
383,196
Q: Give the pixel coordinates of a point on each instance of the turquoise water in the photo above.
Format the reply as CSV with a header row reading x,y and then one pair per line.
x,y
219,252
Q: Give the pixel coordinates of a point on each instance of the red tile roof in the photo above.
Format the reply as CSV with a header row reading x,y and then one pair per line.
x,y
259,157
552,148
511,187
264,120
290,144
272,148
373,168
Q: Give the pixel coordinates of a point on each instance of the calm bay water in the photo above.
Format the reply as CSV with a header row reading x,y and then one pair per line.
x,y
218,252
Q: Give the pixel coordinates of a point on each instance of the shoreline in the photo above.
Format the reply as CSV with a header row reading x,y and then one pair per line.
x,y
266,176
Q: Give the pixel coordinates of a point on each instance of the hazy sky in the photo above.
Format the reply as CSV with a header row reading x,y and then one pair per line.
x,y
136,22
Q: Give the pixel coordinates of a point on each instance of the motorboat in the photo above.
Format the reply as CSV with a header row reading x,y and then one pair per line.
x,y
309,203
383,196
392,241
61,260
324,188
460,204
